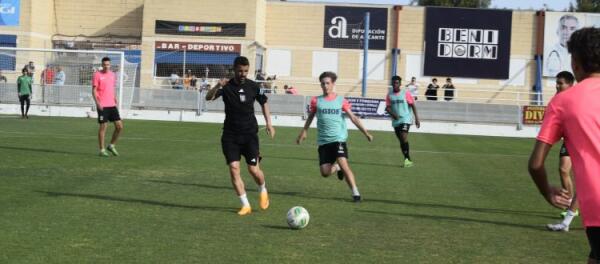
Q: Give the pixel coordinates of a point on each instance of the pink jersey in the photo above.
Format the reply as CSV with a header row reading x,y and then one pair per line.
x,y
575,115
105,88
313,103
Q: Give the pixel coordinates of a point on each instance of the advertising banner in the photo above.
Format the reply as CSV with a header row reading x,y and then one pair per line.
x,y
200,29
471,43
557,30
9,12
344,27
533,115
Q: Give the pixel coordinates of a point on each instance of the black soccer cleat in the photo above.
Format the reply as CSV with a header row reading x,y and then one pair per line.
x,y
340,175
356,198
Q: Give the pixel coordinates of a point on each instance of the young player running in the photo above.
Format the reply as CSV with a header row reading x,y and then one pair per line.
x,y
401,106
329,109
240,130
573,114
103,91
564,81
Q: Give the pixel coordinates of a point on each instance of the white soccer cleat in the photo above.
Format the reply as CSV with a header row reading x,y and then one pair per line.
x,y
558,227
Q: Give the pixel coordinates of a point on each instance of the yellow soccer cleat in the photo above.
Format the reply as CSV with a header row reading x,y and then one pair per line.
x,y
246,210
264,200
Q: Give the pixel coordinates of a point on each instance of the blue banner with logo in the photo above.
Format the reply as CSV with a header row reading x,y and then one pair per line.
x,y
9,12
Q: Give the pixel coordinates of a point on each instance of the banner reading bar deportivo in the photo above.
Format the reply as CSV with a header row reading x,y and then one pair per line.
x,y
200,28
533,115
197,46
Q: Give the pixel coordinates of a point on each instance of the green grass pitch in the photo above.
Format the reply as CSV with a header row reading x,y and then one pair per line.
x,y
168,199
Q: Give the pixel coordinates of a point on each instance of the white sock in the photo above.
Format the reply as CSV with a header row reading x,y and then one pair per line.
x,y
262,188
111,146
244,200
102,150
337,167
355,191
568,218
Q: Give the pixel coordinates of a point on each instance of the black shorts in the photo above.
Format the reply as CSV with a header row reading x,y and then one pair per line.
x,y
108,114
330,152
24,98
401,128
236,145
563,151
593,235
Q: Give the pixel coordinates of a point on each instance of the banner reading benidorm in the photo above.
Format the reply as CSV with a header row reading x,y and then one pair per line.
x,y
558,29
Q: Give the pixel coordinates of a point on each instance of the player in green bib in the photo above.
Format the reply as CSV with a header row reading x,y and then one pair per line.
x,y
24,91
401,106
330,110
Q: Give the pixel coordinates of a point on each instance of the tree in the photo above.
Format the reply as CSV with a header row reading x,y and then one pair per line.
x,y
588,6
455,3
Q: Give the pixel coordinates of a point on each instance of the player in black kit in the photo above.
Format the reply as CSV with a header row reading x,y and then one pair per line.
x,y
240,130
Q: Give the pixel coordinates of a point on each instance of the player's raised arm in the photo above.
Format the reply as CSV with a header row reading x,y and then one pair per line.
x,y
304,131
213,94
356,121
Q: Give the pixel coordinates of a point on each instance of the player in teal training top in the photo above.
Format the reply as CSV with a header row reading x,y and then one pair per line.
x,y
332,132
401,106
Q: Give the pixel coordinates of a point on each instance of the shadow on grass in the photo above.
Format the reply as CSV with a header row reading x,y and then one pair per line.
x,y
383,201
138,201
45,150
279,227
316,161
455,219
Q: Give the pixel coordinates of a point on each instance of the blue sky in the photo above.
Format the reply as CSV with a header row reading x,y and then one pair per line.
x,y
558,5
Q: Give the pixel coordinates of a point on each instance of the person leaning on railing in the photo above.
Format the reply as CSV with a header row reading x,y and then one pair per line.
x,y
448,90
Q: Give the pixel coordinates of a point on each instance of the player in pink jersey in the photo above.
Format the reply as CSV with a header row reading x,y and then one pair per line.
x,y
575,115
103,91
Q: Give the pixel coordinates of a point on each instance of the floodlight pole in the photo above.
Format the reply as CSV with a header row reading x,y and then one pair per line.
x,y
365,54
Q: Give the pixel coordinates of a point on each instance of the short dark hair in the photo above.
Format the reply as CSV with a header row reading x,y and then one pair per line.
x,y
434,80
240,60
567,76
24,70
105,59
396,78
584,46
329,74
448,79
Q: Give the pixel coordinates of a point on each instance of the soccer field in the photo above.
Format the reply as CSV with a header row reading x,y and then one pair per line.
x,y
168,199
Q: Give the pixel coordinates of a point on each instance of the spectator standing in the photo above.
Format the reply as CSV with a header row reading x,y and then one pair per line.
x,y
174,79
432,90
448,90
187,79
193,81
60,77
30,69
413,88
47,76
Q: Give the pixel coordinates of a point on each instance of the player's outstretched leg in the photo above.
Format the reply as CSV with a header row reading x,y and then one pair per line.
x,y
259,178
343,163
238,185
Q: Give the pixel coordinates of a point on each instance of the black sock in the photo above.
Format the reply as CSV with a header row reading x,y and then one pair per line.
x,y
404,147
407,154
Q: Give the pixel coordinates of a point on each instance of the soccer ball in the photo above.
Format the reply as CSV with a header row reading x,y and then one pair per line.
x,y
297,217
